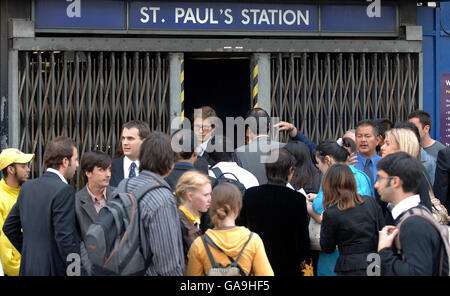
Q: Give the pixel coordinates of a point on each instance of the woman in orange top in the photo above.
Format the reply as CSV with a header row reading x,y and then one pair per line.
x,y
226,204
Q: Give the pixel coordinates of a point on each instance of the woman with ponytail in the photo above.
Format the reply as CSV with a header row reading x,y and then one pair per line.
x,y
327,154
226,204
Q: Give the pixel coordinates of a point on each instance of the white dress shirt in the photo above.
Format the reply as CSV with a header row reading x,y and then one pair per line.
x,y
58,173
404,205
126,166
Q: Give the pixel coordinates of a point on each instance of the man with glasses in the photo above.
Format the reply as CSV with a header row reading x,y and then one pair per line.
x,y
204,124
14,166
397,182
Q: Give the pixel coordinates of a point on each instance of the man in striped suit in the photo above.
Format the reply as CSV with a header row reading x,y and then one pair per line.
x,y
157,209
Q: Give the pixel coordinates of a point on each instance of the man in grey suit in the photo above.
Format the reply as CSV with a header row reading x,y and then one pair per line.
x,y
255,155
96,168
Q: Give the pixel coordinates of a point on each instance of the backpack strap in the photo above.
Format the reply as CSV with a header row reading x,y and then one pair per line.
x,y
218,173
142,190
425,214
138,194
122,187
208,251
234,263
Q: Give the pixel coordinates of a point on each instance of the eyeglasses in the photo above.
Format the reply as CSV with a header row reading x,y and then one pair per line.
x,y
203,127
388,177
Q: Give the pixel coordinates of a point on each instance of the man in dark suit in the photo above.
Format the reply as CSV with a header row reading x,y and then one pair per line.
x,y
278,214
45,210
184,142
205,121
254,155
442,177
421,242
127,166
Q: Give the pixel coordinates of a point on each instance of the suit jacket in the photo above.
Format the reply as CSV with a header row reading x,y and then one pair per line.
x,y
85,209
116,171
278,214
45,210
442,177
354,231
421,246
179,169
252,156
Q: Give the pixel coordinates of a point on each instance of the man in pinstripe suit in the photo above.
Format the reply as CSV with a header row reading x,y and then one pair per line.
x,y
157,209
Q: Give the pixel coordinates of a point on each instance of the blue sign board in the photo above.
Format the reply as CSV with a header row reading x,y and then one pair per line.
x,y
223,16
93,14
358,18
211,16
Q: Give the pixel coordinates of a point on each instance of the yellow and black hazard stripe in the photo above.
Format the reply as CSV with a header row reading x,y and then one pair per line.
x,y
255,86
182,88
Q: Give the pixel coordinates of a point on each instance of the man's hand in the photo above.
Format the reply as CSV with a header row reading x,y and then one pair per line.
x,y
286,126
352,159
386,237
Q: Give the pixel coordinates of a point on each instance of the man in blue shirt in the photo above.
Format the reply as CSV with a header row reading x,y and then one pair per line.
x,y
366,145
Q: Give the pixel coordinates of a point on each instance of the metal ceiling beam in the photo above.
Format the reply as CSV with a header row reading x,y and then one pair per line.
x,y
213,45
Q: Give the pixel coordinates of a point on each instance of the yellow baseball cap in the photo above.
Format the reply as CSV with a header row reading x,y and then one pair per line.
x,y
13,155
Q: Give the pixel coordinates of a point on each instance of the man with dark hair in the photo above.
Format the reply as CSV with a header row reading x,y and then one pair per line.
x,y
278,214
366,144
422,120
397,182
127,166
96,168
158,211
254,155
382,125
45,210
204,124
184,142
13,164
226,165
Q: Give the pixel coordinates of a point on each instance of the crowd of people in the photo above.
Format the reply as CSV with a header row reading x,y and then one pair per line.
x,y
251,207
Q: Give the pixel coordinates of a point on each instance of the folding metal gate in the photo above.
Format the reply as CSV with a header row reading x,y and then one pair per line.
x,y
324,94
88,96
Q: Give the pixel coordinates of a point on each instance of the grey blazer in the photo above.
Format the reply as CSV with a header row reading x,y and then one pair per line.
x,y
85,209
253,156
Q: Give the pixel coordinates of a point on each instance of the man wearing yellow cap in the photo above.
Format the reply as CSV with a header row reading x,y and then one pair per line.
x,y
13,164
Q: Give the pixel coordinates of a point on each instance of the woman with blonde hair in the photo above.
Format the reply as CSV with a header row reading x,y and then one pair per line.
x,y
227,242
401,139
194,193
404,139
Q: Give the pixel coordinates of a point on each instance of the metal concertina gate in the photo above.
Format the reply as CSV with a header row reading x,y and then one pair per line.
x,y
88,96
325,94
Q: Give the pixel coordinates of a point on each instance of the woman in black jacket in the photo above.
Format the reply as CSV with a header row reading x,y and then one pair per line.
x,y
350,221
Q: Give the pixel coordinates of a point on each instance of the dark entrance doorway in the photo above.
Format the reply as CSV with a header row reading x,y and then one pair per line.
x,y
222,83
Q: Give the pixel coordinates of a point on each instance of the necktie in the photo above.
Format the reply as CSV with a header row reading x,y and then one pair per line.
x,y
132,171
367,171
